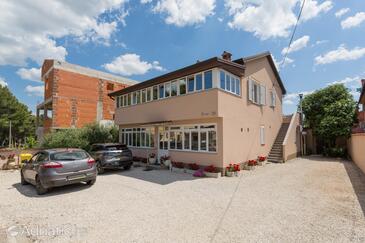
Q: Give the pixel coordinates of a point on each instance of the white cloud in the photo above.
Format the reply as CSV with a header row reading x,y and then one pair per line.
x,y
145,1
346,81
29,29
35,90
312,9
280,64
353,21
131,64
340,54
293,98
297,45
341,12
185,12
33,74
271,19
3,83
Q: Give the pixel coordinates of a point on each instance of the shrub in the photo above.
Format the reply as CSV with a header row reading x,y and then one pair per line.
x,y
252,162
178,165
233,168
80,137
193,166
68,138
210,169
261,158
334,152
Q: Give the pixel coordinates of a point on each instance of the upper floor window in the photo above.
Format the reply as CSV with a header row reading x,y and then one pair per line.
x,y
167,90
273,97
191,84
161,91
174,88
208,80
199,82
182,86
230,83
256,92
155,93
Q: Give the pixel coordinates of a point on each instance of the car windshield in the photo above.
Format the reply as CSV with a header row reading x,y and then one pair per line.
x,y
115,147
69,155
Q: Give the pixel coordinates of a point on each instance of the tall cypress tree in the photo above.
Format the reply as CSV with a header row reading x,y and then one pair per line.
x,y
23,122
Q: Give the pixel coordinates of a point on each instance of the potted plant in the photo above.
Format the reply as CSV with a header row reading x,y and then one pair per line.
x,y
165,160
233,170
178,167
261,160
152,158
251,164
211,171
230,170
192,168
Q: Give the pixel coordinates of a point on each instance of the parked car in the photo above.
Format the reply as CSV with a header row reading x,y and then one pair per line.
x,y
111,156
58,167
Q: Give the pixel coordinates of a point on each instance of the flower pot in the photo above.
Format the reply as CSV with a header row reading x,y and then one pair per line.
x,y
212,174
261,163
167,163
152,160
229,173
249,167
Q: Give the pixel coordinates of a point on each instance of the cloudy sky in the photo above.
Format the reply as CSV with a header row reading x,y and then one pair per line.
x,y
141,39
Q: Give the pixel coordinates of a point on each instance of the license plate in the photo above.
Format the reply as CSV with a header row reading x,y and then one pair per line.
x,y
77,177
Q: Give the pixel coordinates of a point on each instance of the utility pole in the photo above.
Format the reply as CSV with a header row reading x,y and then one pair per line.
x,y
301,124
10,138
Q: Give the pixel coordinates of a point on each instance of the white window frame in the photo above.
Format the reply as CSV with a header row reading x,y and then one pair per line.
x,y
185,129
230,76
148,131
273,97
262,135
258,97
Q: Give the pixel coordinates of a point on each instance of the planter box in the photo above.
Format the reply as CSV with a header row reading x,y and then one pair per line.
x,y
166,163
229,173
178,170
261,163
152,161
189,171
212,174
248,167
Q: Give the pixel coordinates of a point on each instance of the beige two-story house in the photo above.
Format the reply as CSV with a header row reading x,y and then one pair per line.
x,y
214,112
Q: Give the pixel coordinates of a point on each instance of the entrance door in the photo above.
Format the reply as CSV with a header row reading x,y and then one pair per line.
x,y
163,142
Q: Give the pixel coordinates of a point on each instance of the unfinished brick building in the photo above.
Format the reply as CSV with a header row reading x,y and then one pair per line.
x,y
75,96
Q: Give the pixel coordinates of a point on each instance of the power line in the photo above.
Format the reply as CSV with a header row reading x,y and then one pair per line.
x,y
292,36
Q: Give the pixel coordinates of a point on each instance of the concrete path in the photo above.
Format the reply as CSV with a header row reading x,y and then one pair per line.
x,y
304,200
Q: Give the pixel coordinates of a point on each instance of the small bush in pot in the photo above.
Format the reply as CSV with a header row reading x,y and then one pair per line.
x,y
166,161
250,165
233,169
211,171
261,160
152,158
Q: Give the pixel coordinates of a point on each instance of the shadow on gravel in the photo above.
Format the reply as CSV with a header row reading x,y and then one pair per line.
x,y
29,190
161,177
356,176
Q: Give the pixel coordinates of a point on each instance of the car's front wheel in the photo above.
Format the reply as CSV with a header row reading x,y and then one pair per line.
x,y
90,183
100,168
128,167
22,180
39,187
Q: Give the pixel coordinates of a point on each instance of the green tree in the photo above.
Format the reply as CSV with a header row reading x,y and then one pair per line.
x,y
330,112
23,122
82,137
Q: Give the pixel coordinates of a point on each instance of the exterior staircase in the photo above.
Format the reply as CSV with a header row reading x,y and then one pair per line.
x,y
276,153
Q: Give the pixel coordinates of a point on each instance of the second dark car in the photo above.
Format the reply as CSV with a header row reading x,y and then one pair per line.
x,y
111,156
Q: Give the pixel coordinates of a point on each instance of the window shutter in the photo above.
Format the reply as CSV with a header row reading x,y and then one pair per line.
x,y
262,135
262,95
249,90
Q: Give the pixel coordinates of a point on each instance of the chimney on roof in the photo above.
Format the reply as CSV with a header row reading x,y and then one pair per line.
x,y
227,56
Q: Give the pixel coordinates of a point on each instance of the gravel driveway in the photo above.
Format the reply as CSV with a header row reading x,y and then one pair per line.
x,y
304,200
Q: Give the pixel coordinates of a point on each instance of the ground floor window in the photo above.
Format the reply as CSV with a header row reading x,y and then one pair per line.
x,y
138,137
201,138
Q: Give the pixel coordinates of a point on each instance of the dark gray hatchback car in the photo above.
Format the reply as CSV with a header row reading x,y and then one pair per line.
x,y
111,156
58,167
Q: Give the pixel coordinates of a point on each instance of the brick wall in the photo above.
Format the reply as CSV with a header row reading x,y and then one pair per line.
x,y
75,97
